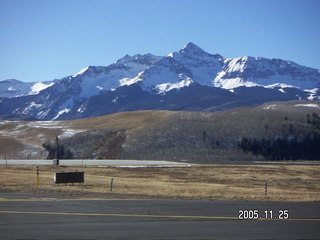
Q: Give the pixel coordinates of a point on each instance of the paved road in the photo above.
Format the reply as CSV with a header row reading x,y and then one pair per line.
x,y
119,163
27,217
137,163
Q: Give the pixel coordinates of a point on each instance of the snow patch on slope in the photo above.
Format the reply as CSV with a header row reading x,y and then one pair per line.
x,y
313,93
232,83
270,107
66,110
32,106
82,71
312,105
236,64
39,86
69,133
166,87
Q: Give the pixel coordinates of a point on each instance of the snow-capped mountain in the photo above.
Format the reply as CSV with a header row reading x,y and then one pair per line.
x,y
193,65
93,79
249,71
190,79
179,69
14,88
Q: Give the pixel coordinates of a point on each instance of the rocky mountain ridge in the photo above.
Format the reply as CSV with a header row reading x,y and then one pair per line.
x,y
190,79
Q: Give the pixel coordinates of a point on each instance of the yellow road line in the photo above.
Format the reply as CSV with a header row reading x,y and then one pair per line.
x,y
149,216
118,215
64,199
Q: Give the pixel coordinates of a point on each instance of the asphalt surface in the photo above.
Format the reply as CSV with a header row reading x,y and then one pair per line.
x,y
79,162
30,217
137,163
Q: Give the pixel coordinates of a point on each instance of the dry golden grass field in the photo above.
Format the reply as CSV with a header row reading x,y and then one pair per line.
x,y
213,182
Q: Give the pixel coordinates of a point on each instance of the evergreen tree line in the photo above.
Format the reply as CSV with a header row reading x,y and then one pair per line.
x,y
314,120
56,150
284,149
307,148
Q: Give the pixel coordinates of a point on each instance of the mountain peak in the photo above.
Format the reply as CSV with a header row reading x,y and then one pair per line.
x,y
191,47
188,67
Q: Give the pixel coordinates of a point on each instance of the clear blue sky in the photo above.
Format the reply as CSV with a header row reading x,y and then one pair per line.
x,y
48,39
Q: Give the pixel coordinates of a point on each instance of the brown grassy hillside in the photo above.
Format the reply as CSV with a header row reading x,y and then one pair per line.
x,y
129,121
207,137
24,139
180,136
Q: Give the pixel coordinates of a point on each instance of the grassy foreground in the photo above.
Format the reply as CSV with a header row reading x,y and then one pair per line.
x,y
213,182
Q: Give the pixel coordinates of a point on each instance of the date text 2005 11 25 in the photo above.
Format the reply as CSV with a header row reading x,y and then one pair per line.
x,y
265,214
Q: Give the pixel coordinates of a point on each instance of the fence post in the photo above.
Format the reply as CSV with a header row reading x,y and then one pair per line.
x,y
38,177
111,184
266,189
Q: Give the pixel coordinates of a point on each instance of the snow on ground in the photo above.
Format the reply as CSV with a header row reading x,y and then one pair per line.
x,y
67,132
21,130
70,132
10,133
45,124
270,107
312,105
32,151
